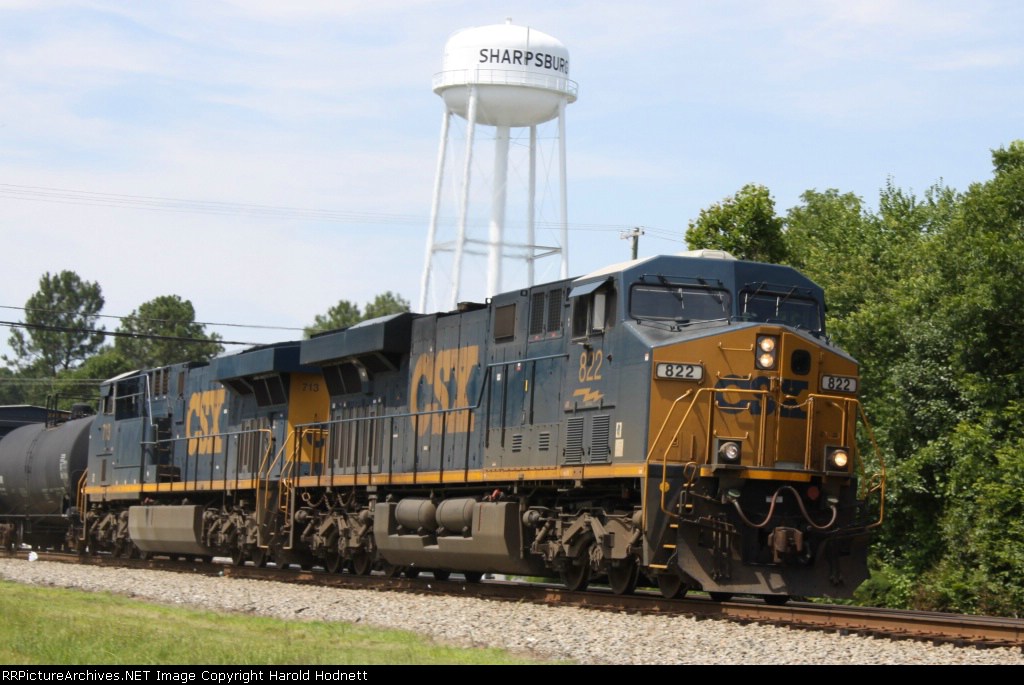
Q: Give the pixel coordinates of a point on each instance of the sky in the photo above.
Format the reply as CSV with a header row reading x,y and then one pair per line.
x,y
265,159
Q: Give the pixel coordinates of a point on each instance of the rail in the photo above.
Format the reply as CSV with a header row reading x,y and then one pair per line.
x,y
505,77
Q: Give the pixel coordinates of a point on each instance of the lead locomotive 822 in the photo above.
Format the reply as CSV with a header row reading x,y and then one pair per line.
x,y
679,420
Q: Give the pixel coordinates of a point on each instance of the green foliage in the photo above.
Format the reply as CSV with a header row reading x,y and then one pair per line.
x,y
744,225
167,334
61,319
346,313
384,304
924,293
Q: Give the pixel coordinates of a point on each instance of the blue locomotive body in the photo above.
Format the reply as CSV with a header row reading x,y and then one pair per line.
x,y
680,420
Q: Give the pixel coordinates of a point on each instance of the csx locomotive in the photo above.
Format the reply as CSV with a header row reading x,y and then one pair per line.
x,y
681,421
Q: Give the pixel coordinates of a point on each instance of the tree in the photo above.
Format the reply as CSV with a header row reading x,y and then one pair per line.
x,y
346,313
935,331
341,315
744,225
164,331
384,304
60,319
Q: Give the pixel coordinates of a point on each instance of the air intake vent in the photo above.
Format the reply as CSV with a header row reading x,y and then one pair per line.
x,y
517,442
574,440
544,442
599,449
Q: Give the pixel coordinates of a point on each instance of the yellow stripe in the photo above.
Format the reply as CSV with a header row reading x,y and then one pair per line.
x,y
763,474
583,472
426,478
241,484
477,476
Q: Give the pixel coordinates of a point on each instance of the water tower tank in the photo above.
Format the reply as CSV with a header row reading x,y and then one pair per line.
x,y
521,75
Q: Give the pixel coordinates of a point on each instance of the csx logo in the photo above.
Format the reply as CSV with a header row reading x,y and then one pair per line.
x,y
752,404
203,419
441,381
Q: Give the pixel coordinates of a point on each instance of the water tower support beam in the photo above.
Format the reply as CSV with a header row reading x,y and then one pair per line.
x,y
563,189
499,195
460,242
435,208
531,194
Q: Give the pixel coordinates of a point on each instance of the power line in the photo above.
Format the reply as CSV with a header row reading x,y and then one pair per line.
x,y
173,204
163,321
121,334
62,380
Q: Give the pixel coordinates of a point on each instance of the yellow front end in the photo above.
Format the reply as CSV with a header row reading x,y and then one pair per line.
x,y
754,402
752,464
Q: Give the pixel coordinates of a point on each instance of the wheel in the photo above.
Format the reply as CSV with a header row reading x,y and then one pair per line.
x,y
260,557
361,563
776,600
720,596
238,557
391,571
411,572
671,586
145,556
442,575
473,576
623,578
576,573
332,564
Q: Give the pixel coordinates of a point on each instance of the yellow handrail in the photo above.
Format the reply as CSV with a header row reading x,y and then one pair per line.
x,y
80,501
876,483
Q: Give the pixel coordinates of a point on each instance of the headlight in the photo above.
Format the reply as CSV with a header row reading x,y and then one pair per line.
x,y
729,452
838,459
765,351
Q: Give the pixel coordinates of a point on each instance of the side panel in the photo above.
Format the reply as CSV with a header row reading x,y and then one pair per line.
x,y
308,402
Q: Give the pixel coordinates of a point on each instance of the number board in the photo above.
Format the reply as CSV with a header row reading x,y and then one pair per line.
x,y
679,371
838,384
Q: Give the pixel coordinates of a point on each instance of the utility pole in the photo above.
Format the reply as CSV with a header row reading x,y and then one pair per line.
x,y
633,234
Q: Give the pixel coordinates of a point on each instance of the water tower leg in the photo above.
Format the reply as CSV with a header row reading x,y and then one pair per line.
x,y
498,201
531,195
460,242
563,191
435,208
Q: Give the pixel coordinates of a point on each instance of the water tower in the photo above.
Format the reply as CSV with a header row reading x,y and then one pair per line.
x,y
503,76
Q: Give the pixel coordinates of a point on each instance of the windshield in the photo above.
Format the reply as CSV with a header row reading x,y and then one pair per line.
x,y
790,310
679,303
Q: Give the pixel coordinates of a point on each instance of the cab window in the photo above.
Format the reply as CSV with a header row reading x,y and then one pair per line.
x,y
784,308
594,312
679,303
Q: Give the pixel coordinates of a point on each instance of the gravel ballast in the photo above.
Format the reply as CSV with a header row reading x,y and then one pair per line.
x,y
543,632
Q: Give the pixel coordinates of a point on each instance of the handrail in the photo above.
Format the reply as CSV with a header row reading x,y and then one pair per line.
x,y
663,486
504,77
880,477
80,502
875,484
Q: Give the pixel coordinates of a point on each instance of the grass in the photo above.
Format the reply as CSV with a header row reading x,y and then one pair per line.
x,y
57,626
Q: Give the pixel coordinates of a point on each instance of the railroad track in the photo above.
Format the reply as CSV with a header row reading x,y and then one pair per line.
x,y
935,627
